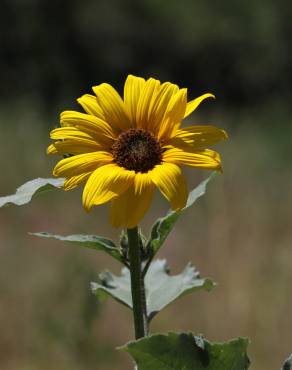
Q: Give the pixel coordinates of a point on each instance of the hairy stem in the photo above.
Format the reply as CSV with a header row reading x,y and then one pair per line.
x,y
137,285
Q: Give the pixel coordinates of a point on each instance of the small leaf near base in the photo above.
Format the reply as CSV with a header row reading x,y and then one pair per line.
x,y
177,351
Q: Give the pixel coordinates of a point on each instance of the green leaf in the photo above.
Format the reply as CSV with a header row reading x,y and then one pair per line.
x,y
163,226
287,364
161,288
87,241
30,189
187,352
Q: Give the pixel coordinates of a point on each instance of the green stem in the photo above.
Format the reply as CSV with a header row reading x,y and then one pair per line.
x,y
137,285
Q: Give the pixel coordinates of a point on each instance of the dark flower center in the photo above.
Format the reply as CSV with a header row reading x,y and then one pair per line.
x,y
137,150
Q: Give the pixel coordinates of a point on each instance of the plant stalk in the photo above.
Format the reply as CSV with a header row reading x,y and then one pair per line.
x,y
137,285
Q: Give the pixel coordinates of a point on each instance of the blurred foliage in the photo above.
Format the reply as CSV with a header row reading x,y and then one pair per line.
x,y
238,49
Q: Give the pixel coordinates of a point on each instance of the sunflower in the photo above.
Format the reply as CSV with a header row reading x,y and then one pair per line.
x,y
121,149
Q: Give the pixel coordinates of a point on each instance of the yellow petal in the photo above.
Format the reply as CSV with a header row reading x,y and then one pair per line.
x,y
74,146
62,133
172,184
174,114
128,209
92,125
90,105
148,93
193,104
75,181
197,136
106,183
132,90
51,149
112,106
81,163
206,158
159,104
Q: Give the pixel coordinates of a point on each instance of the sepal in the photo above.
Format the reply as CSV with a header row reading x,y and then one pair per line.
x,y
142,245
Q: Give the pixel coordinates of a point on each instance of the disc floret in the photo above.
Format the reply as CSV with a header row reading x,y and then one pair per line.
x,y
137,150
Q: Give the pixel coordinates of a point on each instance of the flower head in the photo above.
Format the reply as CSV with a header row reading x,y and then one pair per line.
x,y
121,149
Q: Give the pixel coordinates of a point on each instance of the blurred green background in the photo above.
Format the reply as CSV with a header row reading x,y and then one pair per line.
x,y
239,234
